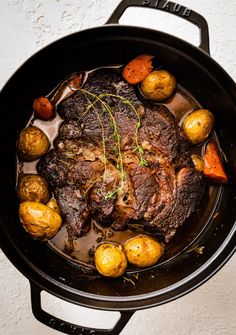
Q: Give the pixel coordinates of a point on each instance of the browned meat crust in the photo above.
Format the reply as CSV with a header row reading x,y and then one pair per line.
x,y
160,194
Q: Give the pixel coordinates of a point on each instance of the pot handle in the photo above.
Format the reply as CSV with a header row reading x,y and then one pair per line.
x,y
67,327
172,8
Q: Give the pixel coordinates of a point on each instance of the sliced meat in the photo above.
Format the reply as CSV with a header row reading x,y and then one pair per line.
x,y
85,110
92,175
190,188
53,168
103,195
70,130
141,192
74,209
150,193
160,129
83,172
145,189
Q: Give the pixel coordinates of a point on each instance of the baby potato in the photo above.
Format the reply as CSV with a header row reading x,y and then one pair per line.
x,y
110,260
158,85
40,221
198,125
32,187
198,162
52,203
32,143
143,251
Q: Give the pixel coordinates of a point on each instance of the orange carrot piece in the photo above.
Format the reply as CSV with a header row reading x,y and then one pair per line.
x,y
137,69
213,166
43,108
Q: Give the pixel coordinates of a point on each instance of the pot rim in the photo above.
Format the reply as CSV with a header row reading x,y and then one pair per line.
x,y
133,27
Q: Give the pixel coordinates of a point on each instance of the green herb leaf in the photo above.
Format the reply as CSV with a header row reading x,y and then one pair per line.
x,y
138,125
143,162
139,149
112,194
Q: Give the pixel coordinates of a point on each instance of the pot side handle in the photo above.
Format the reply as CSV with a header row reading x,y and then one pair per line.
x,y
67,327
172,8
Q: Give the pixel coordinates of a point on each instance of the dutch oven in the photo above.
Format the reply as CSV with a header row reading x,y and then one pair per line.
x,y
205,80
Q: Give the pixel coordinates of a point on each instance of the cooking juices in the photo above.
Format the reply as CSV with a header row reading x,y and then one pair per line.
x,y
81,250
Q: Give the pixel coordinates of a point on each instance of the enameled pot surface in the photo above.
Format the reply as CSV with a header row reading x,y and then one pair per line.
x,y
140,39
54,63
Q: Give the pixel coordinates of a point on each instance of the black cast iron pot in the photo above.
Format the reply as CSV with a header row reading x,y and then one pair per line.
x,y
205,80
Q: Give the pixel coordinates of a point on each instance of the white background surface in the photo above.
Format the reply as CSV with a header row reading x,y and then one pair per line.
x,y
25,27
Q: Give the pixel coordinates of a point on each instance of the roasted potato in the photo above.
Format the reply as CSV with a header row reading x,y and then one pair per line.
x,y
52,203
198,125
198,162
32,143
158,85
32,187
143,251
40,221
110,260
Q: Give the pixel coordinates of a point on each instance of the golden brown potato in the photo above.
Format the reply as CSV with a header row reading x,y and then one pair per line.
x,y
158,85
198,162
52,203
32,143
40,221
32,187
110,260
143,251
198,125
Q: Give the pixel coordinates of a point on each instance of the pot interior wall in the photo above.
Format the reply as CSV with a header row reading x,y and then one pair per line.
x,y
193,69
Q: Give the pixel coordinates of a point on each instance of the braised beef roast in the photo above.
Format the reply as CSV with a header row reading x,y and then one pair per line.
x,y
121,161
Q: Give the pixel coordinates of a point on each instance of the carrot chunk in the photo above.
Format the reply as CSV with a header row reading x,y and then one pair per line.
x,y
43,108
213,166
137,69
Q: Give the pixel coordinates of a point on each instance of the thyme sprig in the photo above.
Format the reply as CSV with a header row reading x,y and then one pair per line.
x,y
116,135
112,194
103,133
138,147
143,162
107,108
